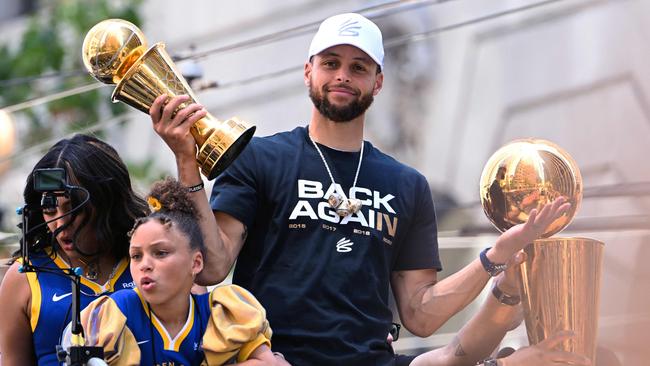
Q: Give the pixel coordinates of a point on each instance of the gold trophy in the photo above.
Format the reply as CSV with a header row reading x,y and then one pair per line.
x,y
115,52
561,276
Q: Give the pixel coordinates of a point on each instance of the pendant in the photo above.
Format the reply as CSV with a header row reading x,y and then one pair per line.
x,y
343,207
92,271
335,200
354,205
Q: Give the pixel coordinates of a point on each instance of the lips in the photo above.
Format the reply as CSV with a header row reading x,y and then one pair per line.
x,y
146,284
66,244
339,89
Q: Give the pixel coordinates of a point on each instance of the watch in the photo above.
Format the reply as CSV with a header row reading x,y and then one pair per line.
x,y
492,268
504,298
490,361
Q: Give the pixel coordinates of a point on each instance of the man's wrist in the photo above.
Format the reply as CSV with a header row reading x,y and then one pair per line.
x,y
186,159
504,297
497,256
195,187
492,268
490,361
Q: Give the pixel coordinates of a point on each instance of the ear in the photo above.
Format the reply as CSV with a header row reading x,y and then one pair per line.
x,y
307,74
379,82
197,263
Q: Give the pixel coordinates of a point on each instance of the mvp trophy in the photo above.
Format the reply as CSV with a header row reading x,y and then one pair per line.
x,y
561,276
115,52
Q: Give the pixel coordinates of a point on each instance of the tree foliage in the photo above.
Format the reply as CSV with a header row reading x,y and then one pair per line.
x,y
51,46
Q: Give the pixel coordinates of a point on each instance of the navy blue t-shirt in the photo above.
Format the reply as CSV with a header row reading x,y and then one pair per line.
x,y
324,281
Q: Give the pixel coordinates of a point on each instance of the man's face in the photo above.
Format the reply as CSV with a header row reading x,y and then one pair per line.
x,y
342,81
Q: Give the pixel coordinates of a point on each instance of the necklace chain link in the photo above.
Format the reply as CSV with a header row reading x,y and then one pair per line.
x,y
342,205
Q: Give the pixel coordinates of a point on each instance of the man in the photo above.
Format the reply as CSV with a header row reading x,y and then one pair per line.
x,y
321,222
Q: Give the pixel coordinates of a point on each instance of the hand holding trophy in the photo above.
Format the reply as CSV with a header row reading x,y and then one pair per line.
x,y
561,276
115,52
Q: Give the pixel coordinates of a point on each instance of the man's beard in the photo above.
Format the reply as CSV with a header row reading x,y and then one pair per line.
x,y
340,114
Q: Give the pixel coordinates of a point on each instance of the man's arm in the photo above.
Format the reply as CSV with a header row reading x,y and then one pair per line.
x,y
424,304
223,235
483,333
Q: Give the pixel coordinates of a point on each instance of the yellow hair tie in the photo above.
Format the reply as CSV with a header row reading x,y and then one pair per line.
x,y
154,204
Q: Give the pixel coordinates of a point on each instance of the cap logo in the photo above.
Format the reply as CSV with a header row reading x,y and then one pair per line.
x,y
349,28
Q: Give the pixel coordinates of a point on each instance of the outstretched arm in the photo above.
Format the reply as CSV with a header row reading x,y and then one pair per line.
x,y
483,333
485,330
223,239
424,304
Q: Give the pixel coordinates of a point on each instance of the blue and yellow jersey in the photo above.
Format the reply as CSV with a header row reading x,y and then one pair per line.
x,y
222,327
52,300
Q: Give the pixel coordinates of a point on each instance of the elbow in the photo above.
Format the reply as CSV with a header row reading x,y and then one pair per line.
x,y
422,333
419,331
211,276
421,328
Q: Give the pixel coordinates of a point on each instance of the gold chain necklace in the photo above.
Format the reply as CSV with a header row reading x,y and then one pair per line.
x,y
91,269
337,200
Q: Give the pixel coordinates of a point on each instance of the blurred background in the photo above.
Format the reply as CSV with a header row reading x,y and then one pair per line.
x,y
462,78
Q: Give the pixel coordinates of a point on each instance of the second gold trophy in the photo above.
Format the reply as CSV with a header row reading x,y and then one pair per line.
x,y
115,52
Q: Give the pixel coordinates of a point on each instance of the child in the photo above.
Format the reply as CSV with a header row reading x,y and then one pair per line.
x,y
160,321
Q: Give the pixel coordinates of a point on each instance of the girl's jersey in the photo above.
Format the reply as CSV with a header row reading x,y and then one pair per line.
x,y
222,327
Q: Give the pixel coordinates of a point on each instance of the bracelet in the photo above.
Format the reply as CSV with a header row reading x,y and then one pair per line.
x,y
195,188
504,298
490,361
492,268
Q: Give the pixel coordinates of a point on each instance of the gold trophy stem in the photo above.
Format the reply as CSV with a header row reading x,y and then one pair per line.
x,y
154,74
561,289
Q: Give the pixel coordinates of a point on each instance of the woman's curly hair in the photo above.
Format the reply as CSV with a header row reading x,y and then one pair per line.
x,y
172,206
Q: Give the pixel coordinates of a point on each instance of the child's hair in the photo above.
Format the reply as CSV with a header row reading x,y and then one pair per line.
x,y
171,205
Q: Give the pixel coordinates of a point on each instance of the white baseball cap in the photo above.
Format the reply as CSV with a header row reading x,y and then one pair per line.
x,y
353,29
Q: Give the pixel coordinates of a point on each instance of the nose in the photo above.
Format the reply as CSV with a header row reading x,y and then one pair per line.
x,y
145,264
342,76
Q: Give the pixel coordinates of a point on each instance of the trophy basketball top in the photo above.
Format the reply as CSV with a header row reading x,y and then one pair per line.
x,y
526,174
110,49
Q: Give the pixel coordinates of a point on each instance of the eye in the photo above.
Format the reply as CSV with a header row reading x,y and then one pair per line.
x,y
358,68
135,256
161,253
330,64
49,211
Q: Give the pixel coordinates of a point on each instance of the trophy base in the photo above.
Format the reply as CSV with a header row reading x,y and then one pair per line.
x,y
223,146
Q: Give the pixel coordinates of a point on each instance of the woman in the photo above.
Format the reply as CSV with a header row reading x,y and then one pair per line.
x,y
160,322
94,237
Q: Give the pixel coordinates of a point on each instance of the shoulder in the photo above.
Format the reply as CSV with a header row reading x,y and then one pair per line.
x,y
238,302
235,323
126,300
282,141
125,295
14,287
232,295
391,166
